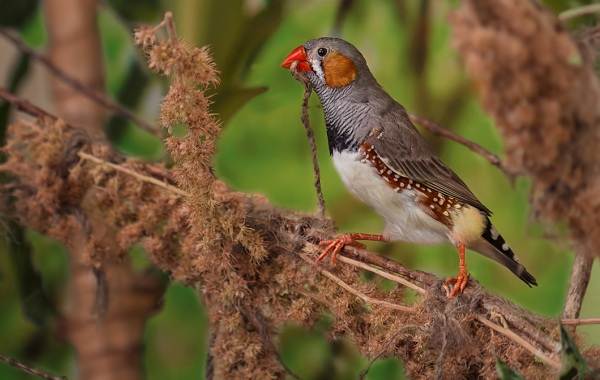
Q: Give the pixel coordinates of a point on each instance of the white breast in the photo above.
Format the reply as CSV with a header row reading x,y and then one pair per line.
x,y
404,218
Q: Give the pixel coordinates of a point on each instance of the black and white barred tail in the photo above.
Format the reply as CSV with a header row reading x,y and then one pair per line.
x,y
495,247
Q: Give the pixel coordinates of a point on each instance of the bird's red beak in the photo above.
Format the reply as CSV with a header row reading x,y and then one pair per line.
x,y
297,55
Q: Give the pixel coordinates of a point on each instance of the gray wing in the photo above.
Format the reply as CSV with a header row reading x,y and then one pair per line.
x,y
404,150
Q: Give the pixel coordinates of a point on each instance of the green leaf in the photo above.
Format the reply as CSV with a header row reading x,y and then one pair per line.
x,y
573,364
130,94
306,353
134,11
386,369
575,59
34,301
505,372
223,22
230,100
35,304
234,48
255,32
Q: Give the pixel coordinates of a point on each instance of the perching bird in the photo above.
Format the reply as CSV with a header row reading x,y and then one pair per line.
x,y
384,161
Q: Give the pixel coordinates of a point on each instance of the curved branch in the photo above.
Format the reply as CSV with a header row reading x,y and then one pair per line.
x,y
520,341
87,91
438,130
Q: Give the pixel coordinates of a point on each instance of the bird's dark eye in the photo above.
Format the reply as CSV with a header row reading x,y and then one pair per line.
x,y
321,52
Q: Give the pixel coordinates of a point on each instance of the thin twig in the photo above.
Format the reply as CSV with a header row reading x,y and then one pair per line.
x,y
418,278
363,296
29,370
520,341
33,110
313,149
310,136
580,321
438,130
170,25
24,105
579,11
133,173
578,283
356,292
90,93
382,273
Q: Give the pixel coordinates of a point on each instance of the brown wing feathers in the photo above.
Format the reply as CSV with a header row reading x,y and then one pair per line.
x,y
405,152
435,203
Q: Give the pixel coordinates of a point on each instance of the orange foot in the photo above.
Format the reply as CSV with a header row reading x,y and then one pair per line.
x,y
455,285
334,246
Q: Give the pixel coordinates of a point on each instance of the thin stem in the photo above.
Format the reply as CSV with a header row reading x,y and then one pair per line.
x,y
313,149
90,93
170,24
579,11
438,130
29,370
24,105
310,136
133,173
381,273
578,283
520,341
580,321
418,278
356,292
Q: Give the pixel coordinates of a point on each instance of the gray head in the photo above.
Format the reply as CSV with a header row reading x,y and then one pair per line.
x,y
347,90
330,62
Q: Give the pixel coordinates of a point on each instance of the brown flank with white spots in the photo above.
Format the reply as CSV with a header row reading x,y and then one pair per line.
x,y
436,204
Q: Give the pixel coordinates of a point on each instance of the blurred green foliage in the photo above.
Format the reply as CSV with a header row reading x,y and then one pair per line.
x,y
505,372
263,149
573,364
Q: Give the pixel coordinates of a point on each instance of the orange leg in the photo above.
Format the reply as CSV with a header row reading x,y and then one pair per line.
x,y
455,286
334,246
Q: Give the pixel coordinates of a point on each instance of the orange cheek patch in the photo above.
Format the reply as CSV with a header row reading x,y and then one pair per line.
x,y
339,70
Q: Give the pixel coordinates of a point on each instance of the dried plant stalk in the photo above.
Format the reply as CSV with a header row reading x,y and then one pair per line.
x,y
30,370
310,136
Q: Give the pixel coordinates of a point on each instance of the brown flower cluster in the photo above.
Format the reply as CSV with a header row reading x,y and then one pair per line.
x,y
69,198
540,87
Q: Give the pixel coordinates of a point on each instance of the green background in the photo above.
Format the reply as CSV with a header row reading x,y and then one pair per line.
x,y
263,149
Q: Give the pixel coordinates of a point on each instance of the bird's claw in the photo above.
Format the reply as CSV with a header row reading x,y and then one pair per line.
x,y
334,246
456,285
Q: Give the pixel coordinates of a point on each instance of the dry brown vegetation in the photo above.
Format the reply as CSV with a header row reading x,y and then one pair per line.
x,y
252,263
250,287
540,86
544,95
